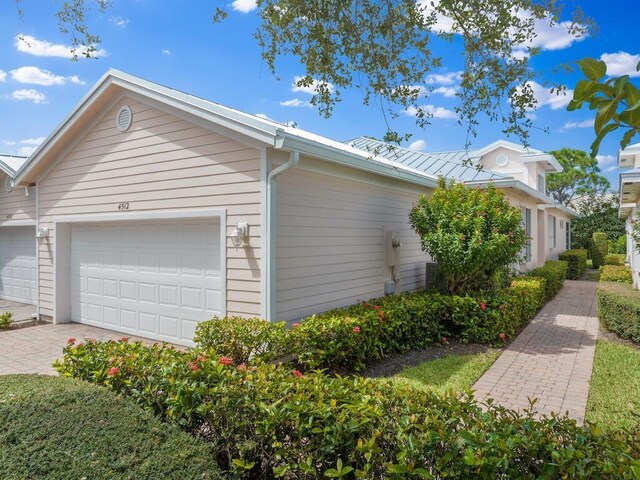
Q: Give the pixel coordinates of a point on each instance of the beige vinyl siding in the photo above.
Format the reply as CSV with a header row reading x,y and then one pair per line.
x,y
161,163
329,245
15,205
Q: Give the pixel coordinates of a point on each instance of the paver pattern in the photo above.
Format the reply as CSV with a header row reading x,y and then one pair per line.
x,y
34,349
551,360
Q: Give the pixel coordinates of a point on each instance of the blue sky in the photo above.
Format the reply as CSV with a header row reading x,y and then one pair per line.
x,y
177,45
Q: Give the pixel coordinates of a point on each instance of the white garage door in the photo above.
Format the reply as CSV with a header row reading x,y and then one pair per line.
x,y
152,279
18,264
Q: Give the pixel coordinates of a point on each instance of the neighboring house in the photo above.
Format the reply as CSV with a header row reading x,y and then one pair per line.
x,y
629,197
18,275
156,210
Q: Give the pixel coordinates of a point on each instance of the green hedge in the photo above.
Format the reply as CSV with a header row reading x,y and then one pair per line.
x,y
619,309
555,273
599,248
615,259
576,263
615,273
268,421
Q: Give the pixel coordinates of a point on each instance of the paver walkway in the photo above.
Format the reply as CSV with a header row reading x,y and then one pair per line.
x,y
551,359
34,349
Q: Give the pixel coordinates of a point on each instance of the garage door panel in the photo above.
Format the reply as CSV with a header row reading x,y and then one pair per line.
x,y
18,277
152,279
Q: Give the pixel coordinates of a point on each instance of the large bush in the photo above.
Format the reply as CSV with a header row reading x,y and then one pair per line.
x,y
607,221
555,273
615,273
618,246
576,262
599,248
619,309
470,232
271,422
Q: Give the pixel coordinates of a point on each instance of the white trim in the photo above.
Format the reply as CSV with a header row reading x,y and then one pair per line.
x,y
18,223
37,223
265,245
62,243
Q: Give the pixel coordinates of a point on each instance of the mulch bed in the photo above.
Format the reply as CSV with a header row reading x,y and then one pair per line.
x,y
396,363
24,324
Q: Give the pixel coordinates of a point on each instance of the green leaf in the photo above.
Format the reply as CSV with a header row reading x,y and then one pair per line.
x,y
626,139
606,110
631,118
595,146
593,69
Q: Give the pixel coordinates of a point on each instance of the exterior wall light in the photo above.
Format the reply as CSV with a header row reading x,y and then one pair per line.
x,y
42,234
240,234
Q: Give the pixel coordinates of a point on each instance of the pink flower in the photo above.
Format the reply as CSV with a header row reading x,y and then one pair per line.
x,y
124,339
295,325
445,340
71,341
225,361
502,336
194,366
242,367
113,371
356,329
297,373
483,306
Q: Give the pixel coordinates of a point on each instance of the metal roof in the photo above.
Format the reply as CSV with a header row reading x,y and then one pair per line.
x,y
443,164
10,164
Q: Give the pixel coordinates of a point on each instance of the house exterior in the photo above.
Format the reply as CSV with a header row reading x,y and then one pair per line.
x,y
155,210
629,198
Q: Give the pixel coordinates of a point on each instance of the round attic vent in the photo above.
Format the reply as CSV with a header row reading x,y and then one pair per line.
x,y
123,119
502,160
8,184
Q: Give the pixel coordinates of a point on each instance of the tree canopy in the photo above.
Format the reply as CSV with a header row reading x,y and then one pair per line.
x,y
579,181
386,49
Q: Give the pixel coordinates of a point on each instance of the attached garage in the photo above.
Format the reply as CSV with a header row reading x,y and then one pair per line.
x,y
18,272
155,279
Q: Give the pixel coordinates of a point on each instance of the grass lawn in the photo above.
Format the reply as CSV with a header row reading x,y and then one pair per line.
x,y
453,372
614,400
58,429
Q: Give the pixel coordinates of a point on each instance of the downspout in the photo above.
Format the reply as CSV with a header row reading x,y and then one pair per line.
x,y
294,158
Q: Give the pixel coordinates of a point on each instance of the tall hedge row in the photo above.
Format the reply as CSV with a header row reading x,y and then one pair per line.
x,y
599,248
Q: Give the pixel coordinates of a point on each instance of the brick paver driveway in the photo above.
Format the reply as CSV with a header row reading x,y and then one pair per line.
x,y
34,349
551,359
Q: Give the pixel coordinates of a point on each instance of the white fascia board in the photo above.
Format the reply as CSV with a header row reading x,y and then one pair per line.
x,y
515,184
7,169
564,209
543,157
378,166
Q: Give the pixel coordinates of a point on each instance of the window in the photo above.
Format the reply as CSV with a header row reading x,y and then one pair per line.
x,y
526,224
552,232
568,233
542,186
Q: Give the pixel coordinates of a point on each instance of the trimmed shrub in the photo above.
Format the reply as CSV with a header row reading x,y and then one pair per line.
x,y
6,319
615,259
619,309
555,273
268,421
242,338
619,245
576,263
615,273
599,248
532,290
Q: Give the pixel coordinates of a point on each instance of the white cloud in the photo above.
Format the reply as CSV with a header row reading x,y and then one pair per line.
x,y
263,116
621,63
295,102
449,92
554,100
443,78
29,94
571,125
244,6
33,141
26,151
418,145
166,51
36,76
288,123
432,111
119,21
311,89
9,142
606,160
3,76
42,48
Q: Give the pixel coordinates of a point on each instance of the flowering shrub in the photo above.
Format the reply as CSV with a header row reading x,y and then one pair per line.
x,y
242,338
577,263
471,233
267,421
615,273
